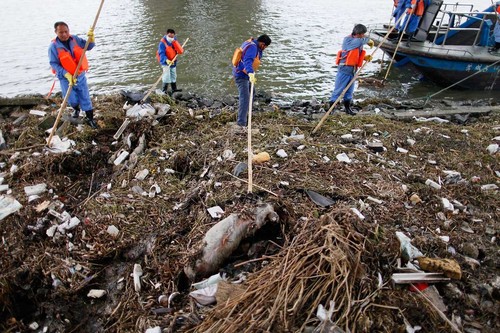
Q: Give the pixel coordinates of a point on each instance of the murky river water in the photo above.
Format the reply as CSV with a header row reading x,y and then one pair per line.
x,y
298,64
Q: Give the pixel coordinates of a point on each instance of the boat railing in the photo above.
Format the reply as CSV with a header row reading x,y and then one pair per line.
x,y
451,21
448,51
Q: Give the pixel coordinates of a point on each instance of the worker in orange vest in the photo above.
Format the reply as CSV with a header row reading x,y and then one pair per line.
x,y
168,49
349,59
65,52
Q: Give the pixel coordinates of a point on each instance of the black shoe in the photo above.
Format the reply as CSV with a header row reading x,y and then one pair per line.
x,y
164,88
92,123
90,119
76,113
347,108
174,87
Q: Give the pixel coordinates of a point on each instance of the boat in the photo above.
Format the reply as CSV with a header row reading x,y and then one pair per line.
x,y
451,46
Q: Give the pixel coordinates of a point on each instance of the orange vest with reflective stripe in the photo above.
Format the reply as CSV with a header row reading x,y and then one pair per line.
x,y
419,8
69,62
352,57
170,51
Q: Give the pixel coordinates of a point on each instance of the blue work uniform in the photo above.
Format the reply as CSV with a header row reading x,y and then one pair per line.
x,y
346,73
79,96
251,50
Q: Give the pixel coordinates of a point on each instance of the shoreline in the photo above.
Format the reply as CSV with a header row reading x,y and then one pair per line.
x,y
108,235
310,109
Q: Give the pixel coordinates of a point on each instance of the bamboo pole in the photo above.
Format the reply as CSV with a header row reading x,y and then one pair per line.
x,y
397,47
353,80
249,139
159,79
383,54
70,87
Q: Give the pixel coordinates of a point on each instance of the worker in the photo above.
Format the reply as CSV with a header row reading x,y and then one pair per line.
x,y
246,61
399,10
65,52
349,59
415,10
168,49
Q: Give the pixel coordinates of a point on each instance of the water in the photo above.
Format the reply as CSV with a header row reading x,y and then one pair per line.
x,y
299,63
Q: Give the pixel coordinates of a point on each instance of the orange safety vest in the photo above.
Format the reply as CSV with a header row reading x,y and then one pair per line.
x,y
170,51
419,8
68,62
239,53
352,57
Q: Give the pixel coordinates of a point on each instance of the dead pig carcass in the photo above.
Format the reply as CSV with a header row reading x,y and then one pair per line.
x,y
224,238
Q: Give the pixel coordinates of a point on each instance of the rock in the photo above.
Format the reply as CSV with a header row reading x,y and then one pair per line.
x,y
208,102
451,291
229,100
460,119
183,96
470,250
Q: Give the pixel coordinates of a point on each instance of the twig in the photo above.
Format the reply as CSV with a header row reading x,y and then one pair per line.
x,y
439,312
90,188
253,184
9,152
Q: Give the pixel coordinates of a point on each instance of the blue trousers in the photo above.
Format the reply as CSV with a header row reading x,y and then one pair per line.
x,y
397,16
341,81
412,25
80,95
243,85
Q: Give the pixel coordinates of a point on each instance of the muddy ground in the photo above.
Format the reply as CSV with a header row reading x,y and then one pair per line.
x,y
323,253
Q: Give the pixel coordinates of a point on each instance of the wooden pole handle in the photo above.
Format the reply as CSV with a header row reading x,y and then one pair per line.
x,y
249,138
70,87
353,79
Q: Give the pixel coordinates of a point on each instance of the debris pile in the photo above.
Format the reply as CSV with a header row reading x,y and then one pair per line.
x,y
145,225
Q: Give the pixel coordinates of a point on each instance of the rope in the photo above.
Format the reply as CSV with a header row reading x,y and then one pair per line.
x,y
428,98
397,46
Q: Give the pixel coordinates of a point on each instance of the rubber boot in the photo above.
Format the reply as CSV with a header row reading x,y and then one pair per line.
x,y
174,87
90,119
164,88
347,106
76,113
